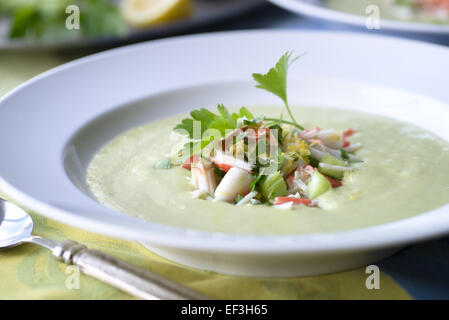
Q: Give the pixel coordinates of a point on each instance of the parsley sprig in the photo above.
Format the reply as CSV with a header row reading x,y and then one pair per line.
x,y
275,81
209,120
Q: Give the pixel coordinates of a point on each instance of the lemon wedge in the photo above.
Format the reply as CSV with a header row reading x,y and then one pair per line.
x,y
144,13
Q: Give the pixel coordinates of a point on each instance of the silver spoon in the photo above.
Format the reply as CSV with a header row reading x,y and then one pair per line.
x,y
16,227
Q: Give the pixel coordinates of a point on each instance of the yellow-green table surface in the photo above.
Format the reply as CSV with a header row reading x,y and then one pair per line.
x,y
31,272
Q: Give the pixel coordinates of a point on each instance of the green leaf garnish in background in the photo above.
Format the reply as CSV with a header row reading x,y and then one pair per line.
x,y
275,81
46,19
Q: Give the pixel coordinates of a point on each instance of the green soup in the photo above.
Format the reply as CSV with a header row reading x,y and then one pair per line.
x,y
387,10
405,173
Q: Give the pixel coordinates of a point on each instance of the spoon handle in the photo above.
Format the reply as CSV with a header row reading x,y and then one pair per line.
x,y
129,278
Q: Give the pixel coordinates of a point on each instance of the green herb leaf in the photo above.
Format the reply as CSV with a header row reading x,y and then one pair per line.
x,y
221,124
223,121
226,115
275,80
255,122
344,154
208,121
243,112
186,126
253,184
204,116
238,198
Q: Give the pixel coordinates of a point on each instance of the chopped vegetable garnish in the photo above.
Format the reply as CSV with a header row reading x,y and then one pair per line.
x,y
334,183
330,165
273,186
242,159
318,185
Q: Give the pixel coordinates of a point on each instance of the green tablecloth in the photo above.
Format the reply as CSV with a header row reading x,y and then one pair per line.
x,y
31,272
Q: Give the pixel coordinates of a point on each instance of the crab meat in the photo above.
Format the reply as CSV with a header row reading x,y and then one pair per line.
x,y
294,201
335,168
353,147
309,134
228,141
226,159
284,206
304,173
317,152
203,177
297,184
247,198
331,138
236,181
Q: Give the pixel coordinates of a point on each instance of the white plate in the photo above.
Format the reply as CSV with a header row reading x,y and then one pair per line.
x,y
53,124
318,9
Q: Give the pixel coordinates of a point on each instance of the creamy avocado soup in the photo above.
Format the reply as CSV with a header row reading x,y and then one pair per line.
x,y
404,173
426,11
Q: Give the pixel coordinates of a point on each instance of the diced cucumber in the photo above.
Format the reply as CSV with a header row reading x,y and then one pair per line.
x,y
318,185
273,186
328,159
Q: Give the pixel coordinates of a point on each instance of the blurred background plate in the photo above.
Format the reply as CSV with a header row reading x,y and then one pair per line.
x,y
205,13
322,10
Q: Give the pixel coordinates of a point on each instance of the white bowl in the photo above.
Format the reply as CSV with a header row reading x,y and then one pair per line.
x,y
52,125
318,9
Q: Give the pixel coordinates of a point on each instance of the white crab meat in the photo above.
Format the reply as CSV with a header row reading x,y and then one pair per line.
x,y
236,181
246,199
284,206
199,194
353,147
203,177
331,138
229,159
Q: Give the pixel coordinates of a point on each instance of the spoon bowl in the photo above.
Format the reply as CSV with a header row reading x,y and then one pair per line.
x,y
15,225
